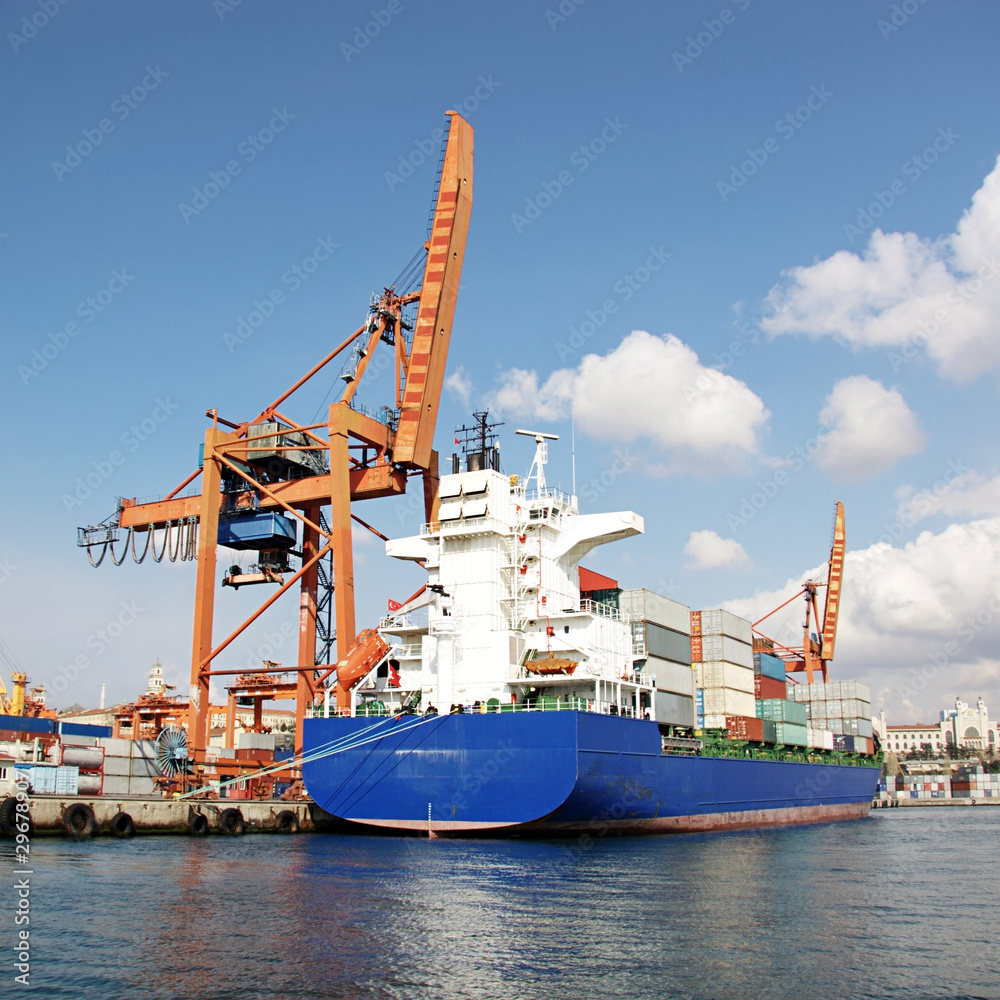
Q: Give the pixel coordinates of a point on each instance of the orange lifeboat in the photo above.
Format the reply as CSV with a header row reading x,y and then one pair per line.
x,y
366,652
551,665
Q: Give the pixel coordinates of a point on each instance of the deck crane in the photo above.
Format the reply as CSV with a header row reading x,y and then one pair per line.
x,y
817,647
261,476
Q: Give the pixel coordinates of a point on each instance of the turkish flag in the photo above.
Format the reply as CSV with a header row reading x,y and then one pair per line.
x,y
457,441
392,605
393,676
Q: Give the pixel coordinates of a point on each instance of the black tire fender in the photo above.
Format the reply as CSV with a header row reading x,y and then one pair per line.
x,y
198,824
286,822
8,816
78,821
122,826
231,821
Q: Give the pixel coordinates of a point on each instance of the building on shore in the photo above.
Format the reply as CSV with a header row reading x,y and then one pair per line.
x,y
963,726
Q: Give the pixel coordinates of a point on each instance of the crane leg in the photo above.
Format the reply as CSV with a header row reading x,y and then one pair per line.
x,y
306,685
340,531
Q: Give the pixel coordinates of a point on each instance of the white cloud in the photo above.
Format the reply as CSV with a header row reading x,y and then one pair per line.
x,y
871,428
459,385
651,388
970,493
940,296
709,550
920,624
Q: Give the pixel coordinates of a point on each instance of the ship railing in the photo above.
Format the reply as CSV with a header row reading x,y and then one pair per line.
x,y
412,619
463,525
601,610
549,493
408,651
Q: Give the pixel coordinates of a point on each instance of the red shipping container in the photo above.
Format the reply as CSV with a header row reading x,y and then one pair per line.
x,y
742,727
696,649
768,687
696,623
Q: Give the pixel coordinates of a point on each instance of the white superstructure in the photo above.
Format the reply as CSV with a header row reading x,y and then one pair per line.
x,y
503,589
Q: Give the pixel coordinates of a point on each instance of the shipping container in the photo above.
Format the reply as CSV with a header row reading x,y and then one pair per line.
x,y
675,678
768,727
722,647
662,642
768,665
117,765
781,710
790,734
67,780
255,741
719,674
714,722
726,701
742,727
26,724
718,622
82,729
768,687
116,747
645,606
842,743
141,786
116,785
865,728
671,709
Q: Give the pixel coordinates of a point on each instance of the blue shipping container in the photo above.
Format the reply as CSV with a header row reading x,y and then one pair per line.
x,y
24,724
80,729
767,665
257,531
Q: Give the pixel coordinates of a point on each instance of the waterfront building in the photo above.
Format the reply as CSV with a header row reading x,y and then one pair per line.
x,y
962,726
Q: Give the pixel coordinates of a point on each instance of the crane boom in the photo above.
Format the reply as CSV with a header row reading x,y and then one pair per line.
x,y
438,294
834,582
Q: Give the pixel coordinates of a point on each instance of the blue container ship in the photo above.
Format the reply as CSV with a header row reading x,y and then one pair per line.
x,y
519,694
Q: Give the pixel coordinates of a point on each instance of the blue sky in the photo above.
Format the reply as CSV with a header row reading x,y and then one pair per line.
x,y
726,149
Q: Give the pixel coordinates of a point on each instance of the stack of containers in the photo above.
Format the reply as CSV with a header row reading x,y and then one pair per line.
x,y
789,720
661,644
925,786
974,783
722,658
840,706
768,676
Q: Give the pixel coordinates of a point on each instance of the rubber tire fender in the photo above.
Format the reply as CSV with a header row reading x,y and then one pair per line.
x,y
8,816
286,822
122,826
231,821
198,824
78,821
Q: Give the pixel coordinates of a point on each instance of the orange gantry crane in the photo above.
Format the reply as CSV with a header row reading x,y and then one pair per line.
x,y
819,635
260,477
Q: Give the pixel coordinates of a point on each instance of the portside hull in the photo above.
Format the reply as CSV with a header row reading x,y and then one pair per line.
x,y
559,773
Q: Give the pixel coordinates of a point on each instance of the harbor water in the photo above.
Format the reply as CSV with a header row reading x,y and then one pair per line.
x,y
897,905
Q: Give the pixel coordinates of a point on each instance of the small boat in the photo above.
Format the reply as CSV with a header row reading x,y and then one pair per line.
x,y
551,665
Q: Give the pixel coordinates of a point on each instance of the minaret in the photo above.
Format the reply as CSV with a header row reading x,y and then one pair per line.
x,y
103,686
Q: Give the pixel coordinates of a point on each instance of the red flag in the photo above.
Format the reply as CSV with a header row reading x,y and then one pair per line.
x,y
392,605
393,676
457,441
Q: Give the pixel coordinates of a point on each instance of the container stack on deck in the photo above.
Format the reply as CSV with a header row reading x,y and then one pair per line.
x,y
722,659
841,707
661,632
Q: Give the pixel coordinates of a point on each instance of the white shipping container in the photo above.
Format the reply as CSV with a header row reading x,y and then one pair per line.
x,y
718,622
115,747
835,709
645,606
144,748
115,785
726,701
724,647
714,722
720,674
855,689
255,741
141,786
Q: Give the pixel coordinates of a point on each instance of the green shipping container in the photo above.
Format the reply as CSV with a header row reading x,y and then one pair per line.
x,y
790,734
781,710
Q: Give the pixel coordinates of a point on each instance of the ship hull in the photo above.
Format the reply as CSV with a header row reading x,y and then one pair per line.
x,y
560,774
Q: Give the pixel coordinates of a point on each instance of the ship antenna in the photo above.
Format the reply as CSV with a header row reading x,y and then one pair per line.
x,y
572,430
541,456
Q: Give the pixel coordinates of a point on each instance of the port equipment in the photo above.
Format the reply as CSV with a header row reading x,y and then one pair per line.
x,y
267,482
819,636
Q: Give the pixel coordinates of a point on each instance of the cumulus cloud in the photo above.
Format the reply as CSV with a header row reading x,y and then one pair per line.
x,y
970,493
870,429
919,624
459,385
652,388
709,550
909,294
